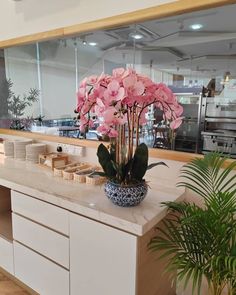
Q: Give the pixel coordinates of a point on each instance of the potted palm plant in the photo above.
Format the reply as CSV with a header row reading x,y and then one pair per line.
x,y
200,241
120,102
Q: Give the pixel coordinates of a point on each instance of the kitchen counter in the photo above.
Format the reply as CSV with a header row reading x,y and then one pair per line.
x,y
57,235
88,200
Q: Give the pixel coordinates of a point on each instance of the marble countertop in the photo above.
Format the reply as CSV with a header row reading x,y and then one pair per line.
x,y
88,200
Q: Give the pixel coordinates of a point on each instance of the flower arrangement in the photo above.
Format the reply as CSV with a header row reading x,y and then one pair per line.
x,y
121,102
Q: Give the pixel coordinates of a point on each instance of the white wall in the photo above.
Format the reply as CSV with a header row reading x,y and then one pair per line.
x,y
32,16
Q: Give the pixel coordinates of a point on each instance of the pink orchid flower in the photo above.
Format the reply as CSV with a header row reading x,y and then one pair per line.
x,y
83,123
178,110
147,82
114,92
112,133
109,115
119,73
103,128
107,130
114,116
81,94
164,93
167,115
120,119
132,86
176,123
143,119
92,79
83,83
112,98
99,108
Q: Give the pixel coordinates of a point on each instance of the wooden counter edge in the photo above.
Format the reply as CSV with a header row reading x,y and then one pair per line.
x,y
146,14
153,152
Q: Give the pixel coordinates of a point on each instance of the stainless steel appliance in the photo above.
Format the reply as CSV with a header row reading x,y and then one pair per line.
x,y
223,142
218,125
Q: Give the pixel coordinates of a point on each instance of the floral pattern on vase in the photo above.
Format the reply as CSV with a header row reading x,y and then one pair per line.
x,y
126,196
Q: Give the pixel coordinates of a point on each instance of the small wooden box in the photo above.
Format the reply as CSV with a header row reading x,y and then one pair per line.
x,y
58,171
53,160
68,173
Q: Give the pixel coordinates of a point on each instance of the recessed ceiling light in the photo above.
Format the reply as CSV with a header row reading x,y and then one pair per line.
x,y
92,43
137,36
196,26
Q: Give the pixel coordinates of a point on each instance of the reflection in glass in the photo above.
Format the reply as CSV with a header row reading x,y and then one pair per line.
x,y
19,95
193,64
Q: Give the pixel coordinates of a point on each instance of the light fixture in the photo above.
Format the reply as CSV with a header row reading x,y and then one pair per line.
x,y
196,27
84,42
92,43
136,36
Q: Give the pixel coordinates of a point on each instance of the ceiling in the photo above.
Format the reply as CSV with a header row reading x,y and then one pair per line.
x,y
172,45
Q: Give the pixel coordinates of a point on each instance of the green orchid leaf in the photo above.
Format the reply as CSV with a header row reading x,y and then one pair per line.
x,y
140,162
128,167
105,161
150,166
120,169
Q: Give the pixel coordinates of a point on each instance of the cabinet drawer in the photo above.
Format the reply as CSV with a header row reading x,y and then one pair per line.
x,y
96,266
41,239
6,255
41,212
39,273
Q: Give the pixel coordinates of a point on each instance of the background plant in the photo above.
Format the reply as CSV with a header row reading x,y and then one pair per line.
x,y
200,242
121,101
17,104
5,94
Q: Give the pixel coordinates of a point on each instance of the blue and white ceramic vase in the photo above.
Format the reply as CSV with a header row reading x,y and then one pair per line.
x,y
126,196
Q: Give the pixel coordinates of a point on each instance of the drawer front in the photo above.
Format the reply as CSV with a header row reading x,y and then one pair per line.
x,y
41,239
98,267
41,212
39,273
6,255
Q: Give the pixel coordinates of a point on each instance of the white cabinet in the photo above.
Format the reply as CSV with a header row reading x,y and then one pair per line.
x,y
102,259
41,245
39,273
46,214
41,239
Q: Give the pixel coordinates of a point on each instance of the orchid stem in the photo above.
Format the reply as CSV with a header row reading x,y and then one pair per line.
x,y
137,129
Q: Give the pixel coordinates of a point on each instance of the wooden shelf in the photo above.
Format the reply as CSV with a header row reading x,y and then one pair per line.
x,y
6,226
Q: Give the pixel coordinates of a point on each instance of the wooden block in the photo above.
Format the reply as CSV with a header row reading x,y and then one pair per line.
x,y
53,160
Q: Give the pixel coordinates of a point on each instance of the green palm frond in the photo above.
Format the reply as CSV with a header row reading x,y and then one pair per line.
x,y
225,264
200,242
206,176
